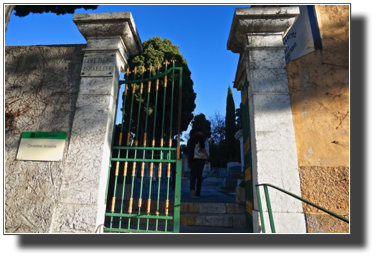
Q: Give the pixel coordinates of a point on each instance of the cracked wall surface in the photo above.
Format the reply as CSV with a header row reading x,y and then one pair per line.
x,y
319,93
41,90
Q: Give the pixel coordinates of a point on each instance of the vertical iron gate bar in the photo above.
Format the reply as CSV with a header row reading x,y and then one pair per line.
x,y
145,144
162,136
169,153
178,175
131,201
129,144
137,143
153,132
153,142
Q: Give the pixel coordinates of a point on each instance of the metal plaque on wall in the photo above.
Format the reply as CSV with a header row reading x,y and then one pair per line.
x,y
299,39
42,146
100,65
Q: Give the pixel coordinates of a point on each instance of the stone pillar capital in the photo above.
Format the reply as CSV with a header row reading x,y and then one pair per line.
x,y
257,23
110,24
107,32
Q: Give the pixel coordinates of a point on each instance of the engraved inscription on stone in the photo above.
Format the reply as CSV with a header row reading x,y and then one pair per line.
x,y
98,65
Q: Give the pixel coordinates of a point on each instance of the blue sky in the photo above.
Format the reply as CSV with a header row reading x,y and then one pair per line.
x,y
200,31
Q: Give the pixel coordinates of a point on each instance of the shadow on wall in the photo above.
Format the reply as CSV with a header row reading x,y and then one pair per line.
x,y
319,93
319,97
320,77
41,88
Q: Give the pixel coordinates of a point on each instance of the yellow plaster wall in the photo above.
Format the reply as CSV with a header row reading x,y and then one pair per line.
x,y
319,91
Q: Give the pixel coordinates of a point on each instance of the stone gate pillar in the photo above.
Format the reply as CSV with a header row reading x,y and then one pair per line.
x,y
111,37
256,33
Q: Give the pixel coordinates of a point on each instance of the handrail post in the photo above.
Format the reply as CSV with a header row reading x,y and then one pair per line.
x,y
260,210
269,209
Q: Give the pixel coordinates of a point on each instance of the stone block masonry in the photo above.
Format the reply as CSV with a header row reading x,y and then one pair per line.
x,y
256,33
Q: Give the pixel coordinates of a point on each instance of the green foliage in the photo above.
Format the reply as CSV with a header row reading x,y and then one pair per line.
x,y
238,118
201,121
230,124
218,155
24,10
157,50
221,151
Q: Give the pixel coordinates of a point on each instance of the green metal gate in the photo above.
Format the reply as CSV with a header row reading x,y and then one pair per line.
x,y
138,196
247,169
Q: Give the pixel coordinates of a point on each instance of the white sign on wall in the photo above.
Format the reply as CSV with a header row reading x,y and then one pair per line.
x,y
42,146
299,39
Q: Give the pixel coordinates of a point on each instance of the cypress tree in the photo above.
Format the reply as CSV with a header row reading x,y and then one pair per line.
x,y
230,124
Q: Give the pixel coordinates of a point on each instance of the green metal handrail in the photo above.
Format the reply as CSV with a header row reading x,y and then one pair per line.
x,y
265,185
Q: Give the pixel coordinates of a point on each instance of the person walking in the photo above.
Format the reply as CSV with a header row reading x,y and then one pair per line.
x,y
197,156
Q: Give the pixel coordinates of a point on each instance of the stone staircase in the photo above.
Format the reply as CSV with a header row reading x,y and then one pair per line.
x,y
214,212
195,217
224,215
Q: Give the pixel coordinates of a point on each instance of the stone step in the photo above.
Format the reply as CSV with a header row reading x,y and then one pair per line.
x,y
221,215
188,229
216,208
209,182
213,220
192,219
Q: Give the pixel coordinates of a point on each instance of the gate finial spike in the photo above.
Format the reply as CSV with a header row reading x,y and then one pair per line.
x,y
127,71
173,60
150,68
135,70
166,63
158,65
143,69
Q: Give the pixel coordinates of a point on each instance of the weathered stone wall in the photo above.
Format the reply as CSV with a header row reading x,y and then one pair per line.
x,y
41,89
319,93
